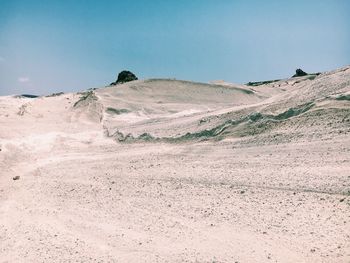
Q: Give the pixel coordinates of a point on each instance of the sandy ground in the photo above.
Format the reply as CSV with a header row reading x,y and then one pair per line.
x,y
176,171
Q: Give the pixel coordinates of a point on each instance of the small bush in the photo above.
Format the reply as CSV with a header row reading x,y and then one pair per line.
x,y
116,111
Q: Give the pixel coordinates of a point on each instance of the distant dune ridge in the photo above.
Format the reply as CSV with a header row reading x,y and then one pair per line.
x,y
171,170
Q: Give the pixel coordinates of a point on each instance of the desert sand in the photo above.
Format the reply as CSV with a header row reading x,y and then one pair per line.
x,y
164,170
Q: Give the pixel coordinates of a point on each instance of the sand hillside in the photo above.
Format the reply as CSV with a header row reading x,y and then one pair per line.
x,y
163,170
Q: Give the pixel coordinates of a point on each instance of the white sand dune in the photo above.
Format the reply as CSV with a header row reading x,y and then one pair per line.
x,y
163,170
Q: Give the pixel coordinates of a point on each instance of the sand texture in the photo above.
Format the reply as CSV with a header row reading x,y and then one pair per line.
x,y
163,170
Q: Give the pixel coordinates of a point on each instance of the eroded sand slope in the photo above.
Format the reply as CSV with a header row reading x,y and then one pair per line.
x,y
174,171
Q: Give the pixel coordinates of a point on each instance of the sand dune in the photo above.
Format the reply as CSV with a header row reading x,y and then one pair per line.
x,y
163,170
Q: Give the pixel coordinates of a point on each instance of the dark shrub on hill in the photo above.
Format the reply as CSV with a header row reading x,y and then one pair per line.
x,y
299,73
124,76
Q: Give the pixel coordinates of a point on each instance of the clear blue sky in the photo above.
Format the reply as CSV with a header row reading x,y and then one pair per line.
x,y
61,45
